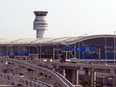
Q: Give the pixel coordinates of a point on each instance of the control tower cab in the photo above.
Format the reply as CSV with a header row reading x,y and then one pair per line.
x,y
39,23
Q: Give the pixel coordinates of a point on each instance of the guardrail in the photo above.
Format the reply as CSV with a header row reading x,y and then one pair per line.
x,y
59,78
24,81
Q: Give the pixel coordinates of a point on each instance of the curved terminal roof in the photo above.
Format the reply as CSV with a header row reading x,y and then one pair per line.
x,y
48,41
6,41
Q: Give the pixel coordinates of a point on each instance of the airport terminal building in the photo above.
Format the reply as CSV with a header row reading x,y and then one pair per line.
x,y
92,48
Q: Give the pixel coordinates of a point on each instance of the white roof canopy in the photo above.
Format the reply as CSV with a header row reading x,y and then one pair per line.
x,y
47,41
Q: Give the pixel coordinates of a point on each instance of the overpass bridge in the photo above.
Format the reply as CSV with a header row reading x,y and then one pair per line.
x,y
65,74
60,81
91,70
23,81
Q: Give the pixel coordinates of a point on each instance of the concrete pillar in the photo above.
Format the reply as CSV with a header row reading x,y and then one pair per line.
x,y
86,77
31,74
114,82
64,74
112,72
77,77
67,74
74,77
93,78
34,75
71,75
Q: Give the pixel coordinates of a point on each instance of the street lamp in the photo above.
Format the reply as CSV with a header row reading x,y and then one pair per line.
x,y
114,46
105,49
37,50
80,43
66,51
9,50
99,54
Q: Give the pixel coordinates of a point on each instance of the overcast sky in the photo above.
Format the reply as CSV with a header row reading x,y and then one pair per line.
x,y
65,17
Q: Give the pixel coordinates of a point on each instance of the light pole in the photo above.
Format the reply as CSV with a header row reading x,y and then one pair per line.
x,y
114,46
84,47
75,54
66,51
105,49
99,54
40,52
79,53
37,51
79,43
9,50
79,50
55,52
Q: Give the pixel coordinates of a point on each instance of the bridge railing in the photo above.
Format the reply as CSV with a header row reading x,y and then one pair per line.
x,y
23,81
60,79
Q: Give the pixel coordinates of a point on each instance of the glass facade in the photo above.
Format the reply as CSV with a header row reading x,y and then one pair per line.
x,y
95,48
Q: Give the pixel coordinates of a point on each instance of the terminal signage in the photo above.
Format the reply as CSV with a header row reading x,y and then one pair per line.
x,y
15,53
66,48
5,53
85,49
93,49
80,49
21,53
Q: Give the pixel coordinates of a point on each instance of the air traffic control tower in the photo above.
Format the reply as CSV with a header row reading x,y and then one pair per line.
x,y
39,23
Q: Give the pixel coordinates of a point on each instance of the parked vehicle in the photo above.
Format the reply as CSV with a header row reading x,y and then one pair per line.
x,y
73,60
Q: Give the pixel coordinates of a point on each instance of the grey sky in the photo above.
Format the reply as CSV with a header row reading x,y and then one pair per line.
x,y
65,17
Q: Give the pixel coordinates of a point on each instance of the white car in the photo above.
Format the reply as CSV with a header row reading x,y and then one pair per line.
x,y
73,60
45,60
68,60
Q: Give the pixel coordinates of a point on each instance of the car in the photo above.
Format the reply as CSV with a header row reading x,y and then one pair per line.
x,y
50,60
44,60
68,60
73,60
